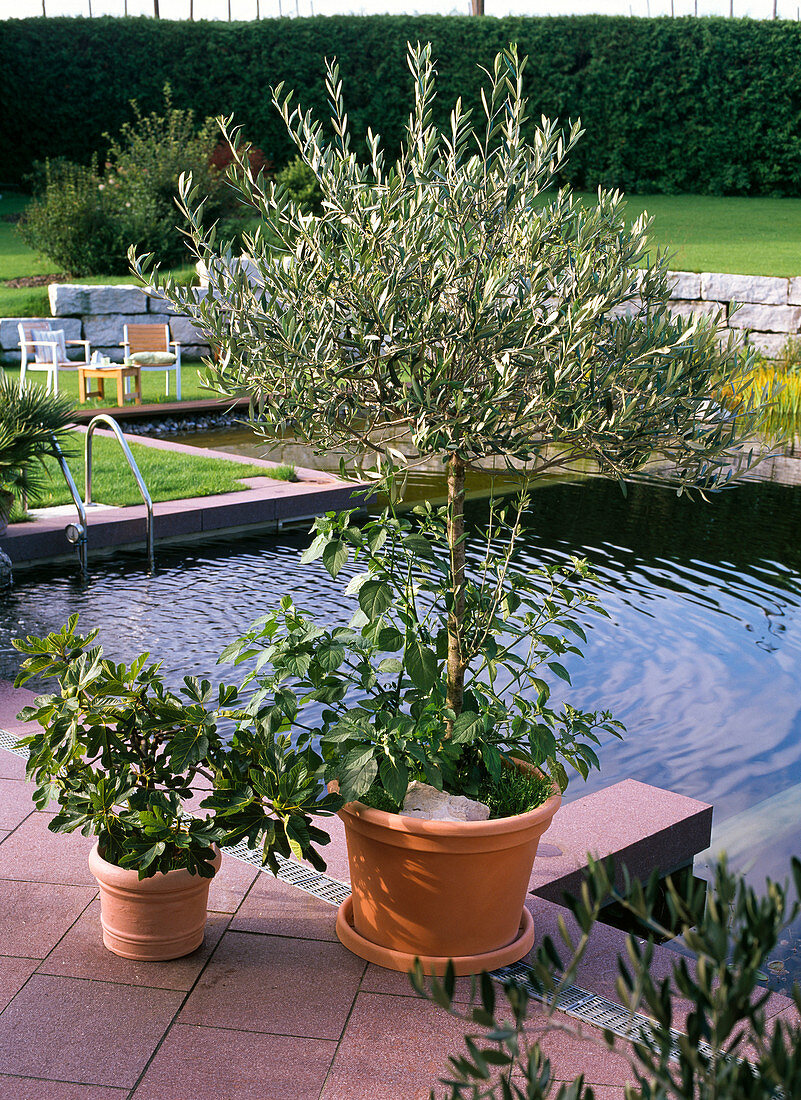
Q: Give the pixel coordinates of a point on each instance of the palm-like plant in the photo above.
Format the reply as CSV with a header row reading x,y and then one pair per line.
x,y
30,420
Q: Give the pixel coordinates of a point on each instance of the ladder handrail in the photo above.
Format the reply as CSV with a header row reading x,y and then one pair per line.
x,y
102,417
76,498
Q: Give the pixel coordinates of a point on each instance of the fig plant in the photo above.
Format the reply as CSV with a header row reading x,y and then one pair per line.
x,y
128,760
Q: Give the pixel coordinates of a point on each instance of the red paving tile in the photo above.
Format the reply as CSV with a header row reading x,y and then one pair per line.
x,y
15,802
206,1063
81,954
11,765
393,1048
378,980
12,700
274,908
335,853
14,973
34,916
585,1052
28,1088
230,885
277,985
607,1092
33,854
97,1033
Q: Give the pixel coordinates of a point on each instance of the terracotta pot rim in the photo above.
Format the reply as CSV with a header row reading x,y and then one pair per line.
x,y
161,882
418,826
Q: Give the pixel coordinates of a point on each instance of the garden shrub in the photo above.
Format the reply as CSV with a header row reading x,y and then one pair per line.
x,y
85,221
301,185
72,222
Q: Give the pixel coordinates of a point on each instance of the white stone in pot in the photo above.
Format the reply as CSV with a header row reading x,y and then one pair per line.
x,y
427,802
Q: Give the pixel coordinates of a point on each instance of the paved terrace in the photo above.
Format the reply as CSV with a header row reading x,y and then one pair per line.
x,y
272,1007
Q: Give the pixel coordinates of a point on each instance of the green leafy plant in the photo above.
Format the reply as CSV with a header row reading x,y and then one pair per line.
x,y
123,755
456,309
676,106
731,1048
374,693
144,164
73,221
30,419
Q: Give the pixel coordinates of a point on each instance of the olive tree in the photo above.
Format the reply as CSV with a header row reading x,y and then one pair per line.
x,y
458,305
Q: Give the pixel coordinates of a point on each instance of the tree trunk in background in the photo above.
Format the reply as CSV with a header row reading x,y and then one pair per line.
x,y
477,7
156,14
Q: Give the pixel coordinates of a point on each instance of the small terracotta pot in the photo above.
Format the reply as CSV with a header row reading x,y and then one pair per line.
x,y
162,917
440,890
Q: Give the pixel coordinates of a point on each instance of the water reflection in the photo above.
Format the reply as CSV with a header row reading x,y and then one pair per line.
x,y
701,655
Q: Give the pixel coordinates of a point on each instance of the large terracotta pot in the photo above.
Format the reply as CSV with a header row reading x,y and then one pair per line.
x,y
439,890
162,917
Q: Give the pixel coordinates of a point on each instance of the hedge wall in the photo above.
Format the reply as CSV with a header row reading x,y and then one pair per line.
x,y
670,105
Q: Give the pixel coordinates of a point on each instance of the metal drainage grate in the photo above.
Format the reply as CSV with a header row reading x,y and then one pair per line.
x,y
578,1003
296,874
9,741
591,1009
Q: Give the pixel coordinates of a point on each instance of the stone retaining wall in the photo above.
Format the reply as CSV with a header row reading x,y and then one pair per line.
x,y
770,312
770,307
98,313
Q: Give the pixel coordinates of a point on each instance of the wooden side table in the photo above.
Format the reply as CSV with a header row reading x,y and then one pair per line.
x,y
114,373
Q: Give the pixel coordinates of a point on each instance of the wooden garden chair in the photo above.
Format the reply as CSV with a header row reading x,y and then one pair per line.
x,y
148,347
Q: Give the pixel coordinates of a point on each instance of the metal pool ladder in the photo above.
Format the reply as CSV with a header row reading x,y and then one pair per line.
x,y
76,532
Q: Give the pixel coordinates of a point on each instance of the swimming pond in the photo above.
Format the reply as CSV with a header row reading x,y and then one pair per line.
x,y
701,655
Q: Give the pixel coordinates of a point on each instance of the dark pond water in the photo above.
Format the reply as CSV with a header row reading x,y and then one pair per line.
x,y
701,655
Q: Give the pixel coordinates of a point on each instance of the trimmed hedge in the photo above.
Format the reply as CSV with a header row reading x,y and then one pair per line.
x,y
710,106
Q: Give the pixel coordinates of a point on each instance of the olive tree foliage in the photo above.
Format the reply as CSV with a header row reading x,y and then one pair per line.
x,y
732,1046
458,306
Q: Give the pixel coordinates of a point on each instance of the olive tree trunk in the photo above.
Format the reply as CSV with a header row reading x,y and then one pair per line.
x,y
456,546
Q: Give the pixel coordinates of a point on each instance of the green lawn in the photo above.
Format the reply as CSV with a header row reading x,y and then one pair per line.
x,y
737,235
17,260
703,232
168,475
152,386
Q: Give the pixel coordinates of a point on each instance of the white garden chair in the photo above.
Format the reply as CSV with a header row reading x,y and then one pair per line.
x,y
148,347
43,348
